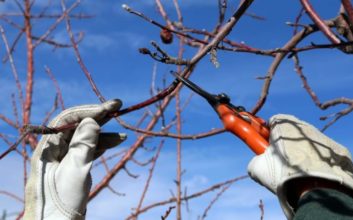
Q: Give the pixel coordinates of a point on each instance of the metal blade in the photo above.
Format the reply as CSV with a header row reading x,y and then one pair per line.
x,y
209,97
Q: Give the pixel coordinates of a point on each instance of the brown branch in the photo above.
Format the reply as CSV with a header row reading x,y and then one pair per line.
x,y
43,15
163,57
192,196
238,46
11,195
326,104
8,121
349,10
214,200
163,13
12,48
149,178
9,143
109,158
297,19
30,64
56,23
222,7
15,111
178,109
277,61
129,173
324,28
178,11
262,209
52,110
312,94
179,158
115,192
20,215
172,135
57,87
168,27
14,145
337,117
12,64
166,214
142,164
78,54
56,44
199,55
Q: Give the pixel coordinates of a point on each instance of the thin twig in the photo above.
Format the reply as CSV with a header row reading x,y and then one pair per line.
x,y
277,61
192,196
185,73
166,214
326,104
11,195
13,67
14,145
57,87
149,178
78,54
214,200
262,209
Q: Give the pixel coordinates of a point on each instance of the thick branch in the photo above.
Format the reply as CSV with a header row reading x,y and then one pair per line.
x,y
324,28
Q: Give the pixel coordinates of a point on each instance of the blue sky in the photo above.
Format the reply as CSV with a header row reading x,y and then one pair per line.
x,y
110,50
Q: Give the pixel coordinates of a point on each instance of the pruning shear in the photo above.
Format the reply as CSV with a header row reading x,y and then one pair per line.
x,y
251,129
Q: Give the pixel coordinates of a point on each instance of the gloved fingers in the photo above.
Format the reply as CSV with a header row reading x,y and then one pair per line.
x,y
98,112
83,143
299,139
73,172
55,145
107,141
263,169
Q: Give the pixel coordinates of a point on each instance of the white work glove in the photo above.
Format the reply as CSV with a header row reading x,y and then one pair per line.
x,y
60,179
299,150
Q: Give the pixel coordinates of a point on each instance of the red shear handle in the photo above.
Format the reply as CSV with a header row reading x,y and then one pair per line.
x,y
257,123
253,133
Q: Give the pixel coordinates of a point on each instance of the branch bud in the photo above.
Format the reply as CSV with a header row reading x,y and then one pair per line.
x,y
126,7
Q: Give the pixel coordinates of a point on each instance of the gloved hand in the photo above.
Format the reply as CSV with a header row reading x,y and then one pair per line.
x,y
299,152
60,180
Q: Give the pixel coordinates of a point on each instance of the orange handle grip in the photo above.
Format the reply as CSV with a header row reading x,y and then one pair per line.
x,y
254,133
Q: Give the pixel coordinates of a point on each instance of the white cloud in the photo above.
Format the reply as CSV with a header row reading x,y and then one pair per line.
x,y
101,42
196,181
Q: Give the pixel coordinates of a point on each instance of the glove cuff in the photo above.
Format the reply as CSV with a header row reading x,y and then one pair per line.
x,y
298,151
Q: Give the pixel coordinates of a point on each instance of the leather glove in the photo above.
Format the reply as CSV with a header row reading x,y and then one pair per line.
x,y
60,179
297,151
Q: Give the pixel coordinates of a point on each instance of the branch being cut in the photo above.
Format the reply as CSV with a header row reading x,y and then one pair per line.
x,y
185,73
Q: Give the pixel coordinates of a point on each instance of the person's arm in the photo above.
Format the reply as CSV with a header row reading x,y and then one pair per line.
x,y
60,179
301,159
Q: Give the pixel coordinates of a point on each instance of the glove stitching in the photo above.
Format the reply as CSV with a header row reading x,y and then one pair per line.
x,y
68,212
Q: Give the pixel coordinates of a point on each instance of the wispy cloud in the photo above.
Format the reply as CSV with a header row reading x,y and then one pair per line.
x,y
102,42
